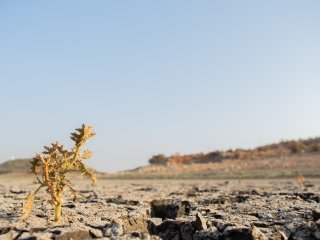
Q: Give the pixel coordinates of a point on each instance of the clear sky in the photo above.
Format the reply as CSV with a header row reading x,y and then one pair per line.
x,y
157,76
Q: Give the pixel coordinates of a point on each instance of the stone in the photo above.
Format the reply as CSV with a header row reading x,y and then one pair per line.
x,y
135,224
257,234
152,224
316,234
168,208
206,235
200,223
41,236
145,236
12,234
168,229
316,214
74,234
186,231
114,229
7,236
136,220
16,190
237,233
283,236
95,233
301,234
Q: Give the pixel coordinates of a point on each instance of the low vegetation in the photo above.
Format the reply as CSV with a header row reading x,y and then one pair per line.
x,y
51,168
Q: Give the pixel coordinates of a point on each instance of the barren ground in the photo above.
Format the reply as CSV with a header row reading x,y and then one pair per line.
x,y
166,209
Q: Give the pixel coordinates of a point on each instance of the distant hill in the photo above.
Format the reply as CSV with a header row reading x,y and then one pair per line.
x,y
284,159
284,148
16,166
20,166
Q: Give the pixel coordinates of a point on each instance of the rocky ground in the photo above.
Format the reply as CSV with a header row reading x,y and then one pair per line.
x,y
167,209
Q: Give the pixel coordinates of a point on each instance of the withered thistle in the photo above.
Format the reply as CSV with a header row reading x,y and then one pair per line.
x,y
51,168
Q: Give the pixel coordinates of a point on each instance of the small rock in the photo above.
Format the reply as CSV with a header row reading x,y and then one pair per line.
x,y
316,214
146,236
206,235
301,234
135,221
114,229
16,190
96,233
282,235
27,236
69,205
75,234
308,184
153,223
37,229
135,234
169,208
7,236
257,234
200,223
169,229
255,191
186,231
316,234
237,233
40,236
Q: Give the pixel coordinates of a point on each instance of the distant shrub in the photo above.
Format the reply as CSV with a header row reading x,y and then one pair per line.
x,y
159,159
216,154
315,147
296,146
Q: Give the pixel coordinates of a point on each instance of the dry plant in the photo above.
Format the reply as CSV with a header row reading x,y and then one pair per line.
x,y
53,165
300,180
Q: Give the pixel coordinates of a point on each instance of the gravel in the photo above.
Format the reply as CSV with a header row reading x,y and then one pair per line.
x,y
166,209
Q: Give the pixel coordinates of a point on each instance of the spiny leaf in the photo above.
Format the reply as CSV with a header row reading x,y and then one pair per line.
x,y
86,154
84,133
35,163
86,171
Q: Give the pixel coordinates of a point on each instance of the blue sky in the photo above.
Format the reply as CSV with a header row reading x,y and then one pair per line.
x,y
157,76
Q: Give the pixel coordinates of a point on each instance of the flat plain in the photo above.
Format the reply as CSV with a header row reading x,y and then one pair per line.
x,y
166,209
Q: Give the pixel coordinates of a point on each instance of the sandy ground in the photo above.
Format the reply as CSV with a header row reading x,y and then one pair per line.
x,y
166,209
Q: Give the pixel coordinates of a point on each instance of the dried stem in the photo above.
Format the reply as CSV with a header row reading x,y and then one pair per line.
x,y
55,162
